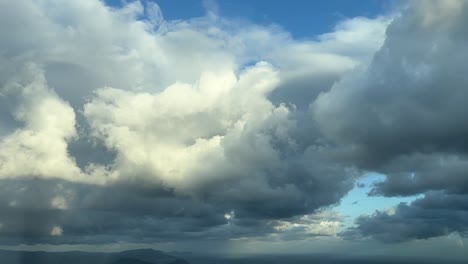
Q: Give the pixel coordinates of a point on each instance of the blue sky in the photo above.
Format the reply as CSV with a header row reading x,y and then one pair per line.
x,y
301,18
357,202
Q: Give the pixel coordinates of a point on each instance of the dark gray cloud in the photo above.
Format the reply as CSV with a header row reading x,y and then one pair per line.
x,y
60,212
93,214
419,173
410,98
404,116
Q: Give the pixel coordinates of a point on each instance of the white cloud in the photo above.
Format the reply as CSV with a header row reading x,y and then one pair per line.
x,y
59,202
181,136
40,147
56,231
183,107
325,223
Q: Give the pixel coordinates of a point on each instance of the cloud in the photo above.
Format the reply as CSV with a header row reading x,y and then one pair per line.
x,y
407,100
56,231
213,128
178,136
40,147
419,173
436,214
326,223
402,115
154,131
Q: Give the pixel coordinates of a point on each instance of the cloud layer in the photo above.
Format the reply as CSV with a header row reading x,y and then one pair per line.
x,y
116,124
119,125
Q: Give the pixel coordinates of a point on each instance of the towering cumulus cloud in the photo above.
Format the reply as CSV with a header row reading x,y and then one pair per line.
x,y
117,125
404,116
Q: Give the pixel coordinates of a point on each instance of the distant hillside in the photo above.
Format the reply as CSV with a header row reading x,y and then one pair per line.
x,y
129,261
142,256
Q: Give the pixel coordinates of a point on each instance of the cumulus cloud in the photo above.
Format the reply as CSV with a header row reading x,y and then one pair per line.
x,y
407,100
40,146
157,129
402,115
179,136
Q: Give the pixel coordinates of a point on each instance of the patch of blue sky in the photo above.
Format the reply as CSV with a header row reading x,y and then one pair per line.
x,y
303,19
357,202
171,9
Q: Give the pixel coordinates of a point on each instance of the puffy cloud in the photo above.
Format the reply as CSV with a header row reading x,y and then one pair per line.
x,y
408,99
178,136
402,115
39,148
157,129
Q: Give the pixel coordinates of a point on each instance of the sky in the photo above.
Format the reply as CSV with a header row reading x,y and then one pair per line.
x,y
302,19
235,127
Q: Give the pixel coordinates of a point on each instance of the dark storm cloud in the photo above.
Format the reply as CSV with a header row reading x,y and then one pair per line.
x,y
139,211
410,98
31,209
419,173
404,116
59,212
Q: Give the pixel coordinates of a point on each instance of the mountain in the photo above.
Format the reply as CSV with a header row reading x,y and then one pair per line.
x,y
141,256
129,261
